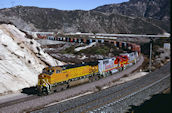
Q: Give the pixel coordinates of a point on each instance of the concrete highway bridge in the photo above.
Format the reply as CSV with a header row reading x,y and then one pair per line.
x,y
108,35
120,35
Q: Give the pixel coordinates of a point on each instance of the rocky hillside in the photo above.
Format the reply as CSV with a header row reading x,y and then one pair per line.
x,y
21,60
156,9
130,17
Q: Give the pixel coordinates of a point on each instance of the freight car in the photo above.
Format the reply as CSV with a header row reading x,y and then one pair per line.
x,y
59,77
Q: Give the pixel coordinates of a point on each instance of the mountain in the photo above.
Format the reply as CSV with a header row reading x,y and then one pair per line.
x,y
122,19
156,9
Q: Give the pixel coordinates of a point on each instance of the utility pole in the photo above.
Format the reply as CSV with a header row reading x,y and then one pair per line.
x,y
150,56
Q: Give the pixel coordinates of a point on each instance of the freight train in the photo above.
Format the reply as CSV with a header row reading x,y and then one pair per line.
x,y
119,44
61,77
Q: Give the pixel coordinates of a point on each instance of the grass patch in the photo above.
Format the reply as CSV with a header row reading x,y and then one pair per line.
x,y
70,50
99,49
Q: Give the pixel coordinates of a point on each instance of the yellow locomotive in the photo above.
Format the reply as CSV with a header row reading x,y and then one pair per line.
x,y
60,77
52,77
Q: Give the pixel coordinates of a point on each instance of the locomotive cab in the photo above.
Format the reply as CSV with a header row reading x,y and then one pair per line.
x,y
45,79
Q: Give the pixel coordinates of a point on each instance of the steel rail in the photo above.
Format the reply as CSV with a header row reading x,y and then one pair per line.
x,y
132,94
137,89
9,103
16,101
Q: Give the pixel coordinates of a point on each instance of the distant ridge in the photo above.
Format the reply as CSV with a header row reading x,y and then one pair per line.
x,y
135,16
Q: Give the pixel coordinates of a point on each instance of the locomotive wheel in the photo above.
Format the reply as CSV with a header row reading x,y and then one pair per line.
x,y
93,78
39,91
100,76
109,73
96,78
90,79
45,91
120,69
65,86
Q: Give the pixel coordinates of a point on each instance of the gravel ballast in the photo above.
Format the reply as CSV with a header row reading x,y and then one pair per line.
x,y
117,98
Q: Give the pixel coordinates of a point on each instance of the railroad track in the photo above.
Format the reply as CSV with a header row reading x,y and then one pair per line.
x,y
95,102
112,103
20,100
9,103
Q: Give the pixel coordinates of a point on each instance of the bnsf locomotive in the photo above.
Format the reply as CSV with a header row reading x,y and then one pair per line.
x,y
61,77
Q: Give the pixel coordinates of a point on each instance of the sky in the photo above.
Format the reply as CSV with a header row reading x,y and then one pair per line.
x,y
59,4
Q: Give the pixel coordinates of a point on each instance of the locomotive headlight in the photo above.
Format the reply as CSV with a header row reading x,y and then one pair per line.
x,y
41,76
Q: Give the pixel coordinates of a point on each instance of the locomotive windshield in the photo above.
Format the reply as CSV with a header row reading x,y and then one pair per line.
x,y
48,71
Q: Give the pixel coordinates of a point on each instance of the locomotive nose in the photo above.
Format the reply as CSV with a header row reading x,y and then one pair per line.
x,y
41,76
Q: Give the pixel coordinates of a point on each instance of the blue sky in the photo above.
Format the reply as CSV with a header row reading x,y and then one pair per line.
x,y
59,4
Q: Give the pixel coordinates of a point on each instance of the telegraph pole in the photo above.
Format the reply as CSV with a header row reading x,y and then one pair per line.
x,y
150,56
